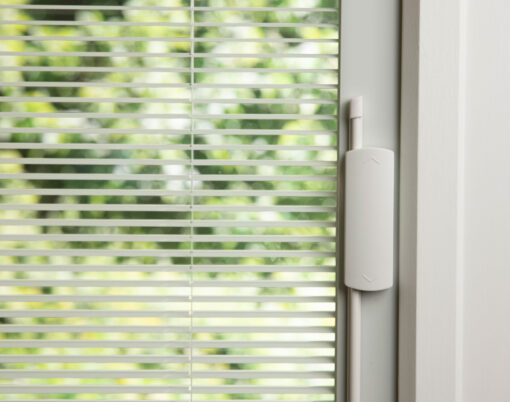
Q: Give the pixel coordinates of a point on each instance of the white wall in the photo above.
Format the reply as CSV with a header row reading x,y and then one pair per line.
x,y
486,334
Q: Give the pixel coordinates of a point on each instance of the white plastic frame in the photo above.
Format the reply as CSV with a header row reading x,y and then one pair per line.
x,y
430,298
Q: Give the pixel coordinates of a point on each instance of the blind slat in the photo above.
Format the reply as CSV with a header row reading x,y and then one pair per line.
x,y
21,145
73,84
79,329
163,400
167,70
167,100
238,374
167,8
169,24
166,208
164,268
164,344
165,253
233,389
160,162
164,313
162,283
163,359
176,55
167,132
233,116
155,193
198,193
161,223
68,38
165,299
159,177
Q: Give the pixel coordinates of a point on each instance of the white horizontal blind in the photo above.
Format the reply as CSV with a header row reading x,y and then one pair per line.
x,y
168,200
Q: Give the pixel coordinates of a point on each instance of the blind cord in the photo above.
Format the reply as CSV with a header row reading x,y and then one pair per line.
x,y
354,345
354,302
192,196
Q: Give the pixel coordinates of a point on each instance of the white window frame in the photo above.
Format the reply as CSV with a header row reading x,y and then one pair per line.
x,y
430,303
370,59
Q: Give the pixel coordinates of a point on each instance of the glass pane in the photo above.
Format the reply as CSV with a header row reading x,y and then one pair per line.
x,y
168,199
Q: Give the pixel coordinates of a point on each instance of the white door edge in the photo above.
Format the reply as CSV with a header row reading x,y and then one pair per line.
x,y
431,185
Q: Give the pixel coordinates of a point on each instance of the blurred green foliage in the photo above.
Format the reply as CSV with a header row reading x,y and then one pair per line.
x,y
161,144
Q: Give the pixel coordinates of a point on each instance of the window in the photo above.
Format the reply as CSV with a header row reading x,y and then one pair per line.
x,y
168,199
